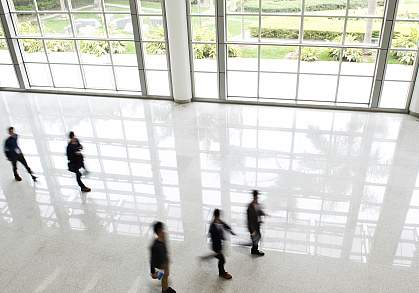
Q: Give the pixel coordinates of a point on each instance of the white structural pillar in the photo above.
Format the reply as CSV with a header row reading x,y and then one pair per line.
x,y
177,32
414,105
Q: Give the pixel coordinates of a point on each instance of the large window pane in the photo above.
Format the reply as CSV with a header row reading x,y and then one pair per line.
x,y
202,7
67,76
408,9
366,7
281,7
86,5
405,35
155,56
277,85
279,58
8,76
400,65
89,25
206,85
61,51
52,5
94,52
203,29
32,50
280,29
123,53
244,58
242,28
394,94
317,87
22,5
242,84
127,79
27,25
158,83
205,57
150,6
363,31
357,61
354,89
4,53
249,6
152,28
323,29
99,77
120,5
38,74
320,60
56,25
325,7
119,25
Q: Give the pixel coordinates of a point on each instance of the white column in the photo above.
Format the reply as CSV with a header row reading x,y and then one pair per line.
x,y
414,105
177,31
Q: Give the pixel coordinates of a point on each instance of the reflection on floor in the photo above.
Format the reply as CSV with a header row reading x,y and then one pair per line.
x,y
341,188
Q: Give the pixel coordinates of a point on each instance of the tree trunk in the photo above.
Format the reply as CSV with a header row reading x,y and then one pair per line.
x,y
372,6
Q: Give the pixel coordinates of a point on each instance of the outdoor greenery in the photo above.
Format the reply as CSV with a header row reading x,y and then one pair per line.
x,y
406,41
309,54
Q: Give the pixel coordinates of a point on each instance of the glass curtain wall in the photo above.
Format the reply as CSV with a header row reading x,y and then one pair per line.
x,y
402,56
89,44
322,52
203,36
311,51
7,71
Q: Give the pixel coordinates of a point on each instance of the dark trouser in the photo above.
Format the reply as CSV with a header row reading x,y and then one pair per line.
x,y
78,177
221,262
255,240
22,160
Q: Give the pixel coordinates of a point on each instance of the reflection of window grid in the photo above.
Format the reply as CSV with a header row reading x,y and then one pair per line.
x,y
319,231
121,196
104,14
302,43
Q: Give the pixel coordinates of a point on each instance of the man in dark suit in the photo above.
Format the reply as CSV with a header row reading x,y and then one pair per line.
x,y
159,258
76,160
14,154
216,232
254,221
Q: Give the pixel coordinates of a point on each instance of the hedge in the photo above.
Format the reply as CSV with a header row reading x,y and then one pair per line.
x,y
278,33
295,6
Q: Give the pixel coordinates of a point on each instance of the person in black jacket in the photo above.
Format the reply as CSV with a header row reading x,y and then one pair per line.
x,y
216,233
14,154
76,160
159,257
254,221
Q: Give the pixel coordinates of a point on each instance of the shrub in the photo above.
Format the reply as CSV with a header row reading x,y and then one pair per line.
x,y
2,44
32,46
100,48
309,54
233,51
409,41
156,48
349,54
278,33
202,51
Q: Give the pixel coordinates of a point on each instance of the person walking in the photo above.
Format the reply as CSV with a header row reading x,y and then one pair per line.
x,y
14,154
76,160
160,258
254,221
216,233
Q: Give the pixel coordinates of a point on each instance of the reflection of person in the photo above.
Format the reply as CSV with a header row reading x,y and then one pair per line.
x,y
14,154
76,160
160,257
216,232
254,221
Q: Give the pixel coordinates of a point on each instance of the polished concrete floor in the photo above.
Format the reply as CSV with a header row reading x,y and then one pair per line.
x,y
341,189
